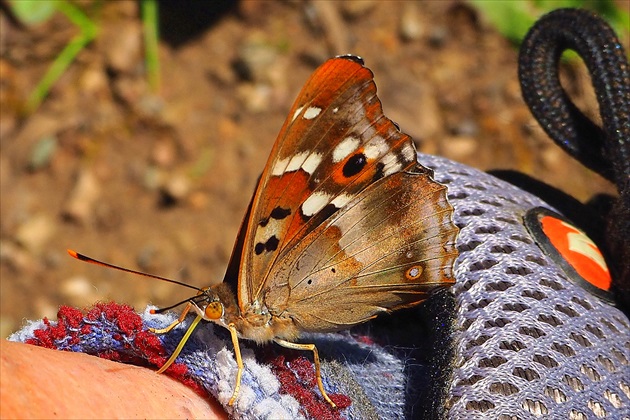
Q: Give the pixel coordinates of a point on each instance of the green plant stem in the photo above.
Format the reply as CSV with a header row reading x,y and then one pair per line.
x,y
88,32
150,26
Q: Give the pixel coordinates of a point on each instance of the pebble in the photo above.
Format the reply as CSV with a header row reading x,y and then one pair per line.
x,y
83,197
438,36
458,147
199,200
35,233
357,8
146,258
43,152
131,90
123,46
164,153
411,29
45,308
467,127
17,258
255,60
177,187
256,98
76,287
150,105
94,82
153,178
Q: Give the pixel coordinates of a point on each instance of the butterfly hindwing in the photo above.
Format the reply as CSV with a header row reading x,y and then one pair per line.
x,y
334,144
386,249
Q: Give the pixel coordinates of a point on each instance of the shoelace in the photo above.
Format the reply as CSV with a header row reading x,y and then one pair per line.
x,y
606,149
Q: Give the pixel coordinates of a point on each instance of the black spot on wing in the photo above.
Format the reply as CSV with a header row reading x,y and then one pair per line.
x,y
322,215
379,172
270,245
277,213
354,165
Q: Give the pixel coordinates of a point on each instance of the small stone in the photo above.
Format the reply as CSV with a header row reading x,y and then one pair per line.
x,y
35,233
43,307
256,98
146,258
177,187
255,61
43,152
459,147
94,81
411,28
17,258
199,200
132,91
149,105
85,193
123,46
76,287
357,8
164,153
467,127
438,36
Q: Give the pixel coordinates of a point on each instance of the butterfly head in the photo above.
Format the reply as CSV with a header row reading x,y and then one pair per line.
x,y
215,304
211,308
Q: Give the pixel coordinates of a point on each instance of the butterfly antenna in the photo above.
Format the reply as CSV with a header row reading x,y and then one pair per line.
x,y
161,310
90,260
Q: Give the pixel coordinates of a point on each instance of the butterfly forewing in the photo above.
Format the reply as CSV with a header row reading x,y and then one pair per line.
x,y
334,144
388,248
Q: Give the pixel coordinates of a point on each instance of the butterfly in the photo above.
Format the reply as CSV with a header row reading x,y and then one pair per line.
x,y
343,225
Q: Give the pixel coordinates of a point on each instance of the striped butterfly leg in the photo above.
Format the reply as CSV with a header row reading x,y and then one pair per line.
x,y
239,362
180,346
174,323
309,347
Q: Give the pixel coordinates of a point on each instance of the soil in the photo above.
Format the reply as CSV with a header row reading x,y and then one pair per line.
x,y
158,181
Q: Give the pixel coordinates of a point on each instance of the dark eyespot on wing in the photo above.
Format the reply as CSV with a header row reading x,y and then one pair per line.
x,y
354,165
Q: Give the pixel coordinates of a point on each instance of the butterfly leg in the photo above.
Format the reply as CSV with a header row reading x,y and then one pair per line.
x,y
180,346
174,323
310,347
239,363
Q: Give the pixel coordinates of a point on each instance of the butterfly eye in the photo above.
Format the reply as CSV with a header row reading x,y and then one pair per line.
x,y
214,310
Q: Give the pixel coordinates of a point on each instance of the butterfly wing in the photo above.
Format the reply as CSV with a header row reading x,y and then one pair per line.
x,y
335,143
388,248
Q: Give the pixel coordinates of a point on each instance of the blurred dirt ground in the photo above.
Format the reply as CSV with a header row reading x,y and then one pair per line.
x,y
159,182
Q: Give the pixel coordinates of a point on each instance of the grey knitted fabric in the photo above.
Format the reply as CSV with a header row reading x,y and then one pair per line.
x,y
520,341
529,342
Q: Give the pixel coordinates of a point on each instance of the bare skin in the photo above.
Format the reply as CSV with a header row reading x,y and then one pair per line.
x,y
40,383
